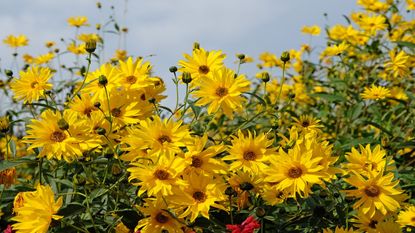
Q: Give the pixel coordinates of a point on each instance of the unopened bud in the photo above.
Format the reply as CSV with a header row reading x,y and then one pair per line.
x,y
152,100
173,69
285,57
196,45
62,124
260,212
230,191
9,73
186,77
246,186
99,5
4,124
240,56
265,77
90,46
103,80
97,104
101,131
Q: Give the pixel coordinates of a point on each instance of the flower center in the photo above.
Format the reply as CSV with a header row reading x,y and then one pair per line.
x,y
249,155
131,79
143,97
116,112
413,219
221,91
34,84
305,124
295,172
204,69
373,223
87,111
372,191
246,186
161,174
164,138
161,218
199,196
57,136
196,162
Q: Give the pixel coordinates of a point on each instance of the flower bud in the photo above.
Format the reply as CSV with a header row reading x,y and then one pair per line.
x,y
186,77
260,212
100,131
103,80
246,186
230,191
173,69
9,73
4,124
116,169
90,46
265,77
196,45
97,104
62,124
240,56
285,57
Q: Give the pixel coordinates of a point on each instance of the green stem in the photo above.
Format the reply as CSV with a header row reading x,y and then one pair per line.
x,y
282,83
109,108
185,101
85,76
40,170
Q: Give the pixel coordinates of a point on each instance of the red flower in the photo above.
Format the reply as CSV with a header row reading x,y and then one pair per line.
x,y
247,226
8,229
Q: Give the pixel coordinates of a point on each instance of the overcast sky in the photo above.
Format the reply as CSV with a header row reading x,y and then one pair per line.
x,y
168,28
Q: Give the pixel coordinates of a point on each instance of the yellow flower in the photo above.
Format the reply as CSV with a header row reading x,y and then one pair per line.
x,y
407,217
307,123
199,196
100,90
44,58
389,226
36,210
31,84
158,218
312,30
273,196
28,59
83,105
269,60
296,171
120,55
135,74
335,50
59,136
366,223
340,230
8,177
249,153
372,24
375,93
398,93
367,160
160,179
4,124
121,228
78,21
376,192
398,65
201,63
16,41
373,5
221,90
76,49
86,37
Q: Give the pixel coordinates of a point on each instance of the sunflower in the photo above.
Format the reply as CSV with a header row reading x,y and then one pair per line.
x,y
135,74
32,84
58,136
78,21
312,30
375,93
389,226
76,49
201,63
340,230
295,171
35,210
272,195
376,192
160,179
201,157
367,160
158,218
44,58
99,89
245,184
162,136
407,217
249,153
398,65
222,90
16,41
83,105
366,223
199,196
307,123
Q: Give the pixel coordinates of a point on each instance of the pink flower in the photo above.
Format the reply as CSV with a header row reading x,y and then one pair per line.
x,y
247,226
8,229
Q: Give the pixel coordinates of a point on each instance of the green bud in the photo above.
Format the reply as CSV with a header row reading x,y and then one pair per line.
x,y
103,80
101,131
173,69
240,56
285,57
90,46
260,212
265,77
186,77
9,73
62,124
196,45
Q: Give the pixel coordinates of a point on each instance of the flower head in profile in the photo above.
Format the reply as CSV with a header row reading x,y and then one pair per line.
x,y
16,41
201,63
375,93
35,210
376,192
78,21
32,84
339,230
247,226
312,30
221,90
158,218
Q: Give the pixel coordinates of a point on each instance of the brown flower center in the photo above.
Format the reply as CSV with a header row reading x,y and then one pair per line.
x,y
164,138
131,79
162,218
295,172
161,174
87,111
413,219
305,124
143,97
221,91
57,136
34,84
196,162
116,112
373,223
372,191
249,155
199,196
204,69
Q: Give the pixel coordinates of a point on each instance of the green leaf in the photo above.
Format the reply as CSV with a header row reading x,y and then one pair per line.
x,y
12,145
9,164
71,209
256,96
406,44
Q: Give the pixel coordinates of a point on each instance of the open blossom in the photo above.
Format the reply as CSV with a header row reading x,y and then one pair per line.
x,y
247,226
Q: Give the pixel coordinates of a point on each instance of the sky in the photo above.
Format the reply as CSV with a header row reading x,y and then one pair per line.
x,y
161,30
